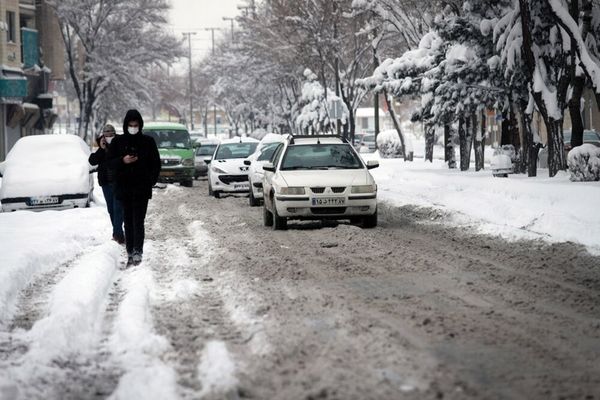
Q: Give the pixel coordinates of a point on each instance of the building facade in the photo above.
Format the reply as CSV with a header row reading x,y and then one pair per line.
x,y
31,57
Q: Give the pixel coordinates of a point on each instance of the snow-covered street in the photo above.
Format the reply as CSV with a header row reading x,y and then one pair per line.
x,y
424,306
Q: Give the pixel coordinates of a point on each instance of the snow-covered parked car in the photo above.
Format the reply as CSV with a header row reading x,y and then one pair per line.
x,y
46,172
319,177
502,161
227,172
263,154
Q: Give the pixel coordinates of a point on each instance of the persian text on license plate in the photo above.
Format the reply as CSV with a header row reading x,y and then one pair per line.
x,y
39,201
241,187
328,201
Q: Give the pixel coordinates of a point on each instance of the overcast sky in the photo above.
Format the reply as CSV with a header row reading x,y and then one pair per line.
x,y
196,15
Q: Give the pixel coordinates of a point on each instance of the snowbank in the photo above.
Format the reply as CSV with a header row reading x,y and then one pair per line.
x,y
33,243
553,209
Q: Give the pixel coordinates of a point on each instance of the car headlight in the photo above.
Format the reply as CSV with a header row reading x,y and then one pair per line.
x,y
364,189
218,170
292,190
187,162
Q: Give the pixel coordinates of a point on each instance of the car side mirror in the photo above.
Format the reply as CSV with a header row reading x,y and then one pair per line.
x,y
269,167
247,162
372,164
208,160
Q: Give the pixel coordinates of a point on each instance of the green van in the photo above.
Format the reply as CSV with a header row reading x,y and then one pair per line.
x,y
176,151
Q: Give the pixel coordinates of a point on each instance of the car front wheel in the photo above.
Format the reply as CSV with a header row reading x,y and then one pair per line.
x,y
267,217
253,201
370,221
279,223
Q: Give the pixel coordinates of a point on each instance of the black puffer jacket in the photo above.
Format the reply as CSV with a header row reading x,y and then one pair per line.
x,y
135,179
106,173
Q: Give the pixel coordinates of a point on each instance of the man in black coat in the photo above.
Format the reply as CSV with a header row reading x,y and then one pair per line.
x,y
137,164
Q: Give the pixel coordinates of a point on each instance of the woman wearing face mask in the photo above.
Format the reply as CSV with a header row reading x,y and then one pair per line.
x,y
137,163
106,179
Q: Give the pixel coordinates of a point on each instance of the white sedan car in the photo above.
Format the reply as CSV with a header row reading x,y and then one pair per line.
x,y
46,172
227,172
263,154
319,177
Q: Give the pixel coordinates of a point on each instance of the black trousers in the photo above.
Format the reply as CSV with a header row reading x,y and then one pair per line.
x,y
134,214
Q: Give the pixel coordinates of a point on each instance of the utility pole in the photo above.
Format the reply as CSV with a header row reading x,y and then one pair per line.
x,y
230,20
376,98
189,37
212,31
337,69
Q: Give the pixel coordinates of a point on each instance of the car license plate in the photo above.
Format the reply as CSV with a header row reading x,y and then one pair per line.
x,y
167,173
43,200
242,186
328,201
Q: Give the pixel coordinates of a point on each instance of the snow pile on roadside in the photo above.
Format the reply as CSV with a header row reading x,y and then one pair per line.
x,y
136,346
217,369
76,305
36,243
72,326
553,209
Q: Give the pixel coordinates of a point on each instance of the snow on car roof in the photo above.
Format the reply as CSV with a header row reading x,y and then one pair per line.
x,y
237,140
319,139
164,125
273,138
42,165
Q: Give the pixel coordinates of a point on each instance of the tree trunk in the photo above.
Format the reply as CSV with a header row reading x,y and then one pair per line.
x,y
429,139
396,125
479,140
449,155
465,142
556,152
553,126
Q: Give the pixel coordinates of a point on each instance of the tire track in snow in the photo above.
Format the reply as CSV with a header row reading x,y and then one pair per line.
x,y
135,345
191,313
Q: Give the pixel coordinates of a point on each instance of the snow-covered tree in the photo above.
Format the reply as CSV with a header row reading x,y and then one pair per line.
x,y
316,110
110,48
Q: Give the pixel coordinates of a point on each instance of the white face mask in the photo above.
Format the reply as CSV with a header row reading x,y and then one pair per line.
x,y
132,130
108,139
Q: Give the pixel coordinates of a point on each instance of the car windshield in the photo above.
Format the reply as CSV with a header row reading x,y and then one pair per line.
x,y
170,139
235,150
206,150
320,156
266,154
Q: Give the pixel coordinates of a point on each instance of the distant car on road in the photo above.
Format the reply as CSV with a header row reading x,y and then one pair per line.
x,y
46,172
367,144
176,151
204,148
319,177
263,154
227,172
